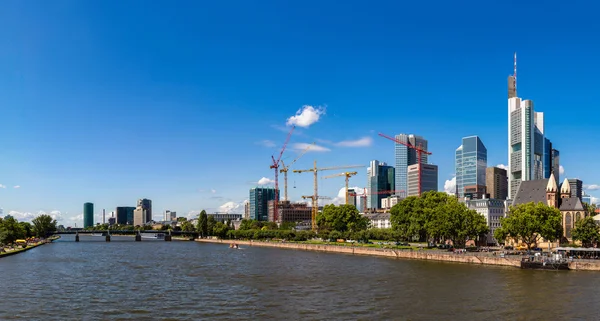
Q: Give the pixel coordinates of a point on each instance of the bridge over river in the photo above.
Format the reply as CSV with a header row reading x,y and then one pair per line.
x,y
166,235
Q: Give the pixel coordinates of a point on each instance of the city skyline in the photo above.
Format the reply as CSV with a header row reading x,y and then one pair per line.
x,y
209,113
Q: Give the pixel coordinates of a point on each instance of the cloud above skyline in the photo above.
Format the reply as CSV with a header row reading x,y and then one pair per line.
x,y
265,181
502,166
591,187
2,186
306,116
267,143
311,147
17,186
361,142
450,186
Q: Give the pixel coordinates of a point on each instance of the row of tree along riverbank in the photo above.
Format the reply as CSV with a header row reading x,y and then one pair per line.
x,y
469,258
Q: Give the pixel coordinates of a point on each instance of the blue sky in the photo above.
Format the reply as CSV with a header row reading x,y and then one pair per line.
x,y
111,101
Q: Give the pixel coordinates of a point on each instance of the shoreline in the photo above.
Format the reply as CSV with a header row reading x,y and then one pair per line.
x,y
403,254
22,250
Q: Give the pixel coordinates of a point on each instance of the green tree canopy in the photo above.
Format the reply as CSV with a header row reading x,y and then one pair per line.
x,y
43,225
586,231
341,218
203,224
528,223
11,230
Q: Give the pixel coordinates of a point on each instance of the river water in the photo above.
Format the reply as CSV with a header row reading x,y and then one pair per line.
x,y
157,280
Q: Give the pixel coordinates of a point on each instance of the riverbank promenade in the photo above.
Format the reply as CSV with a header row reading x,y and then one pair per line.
x,y
428,255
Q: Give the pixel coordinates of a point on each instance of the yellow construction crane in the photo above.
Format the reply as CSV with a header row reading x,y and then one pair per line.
x,y
315,197
348,175
285,169
314,212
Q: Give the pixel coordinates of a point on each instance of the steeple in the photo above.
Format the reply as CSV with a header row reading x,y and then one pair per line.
x,y
552,187
565,189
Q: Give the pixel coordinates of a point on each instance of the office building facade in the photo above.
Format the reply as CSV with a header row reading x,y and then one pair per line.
x,y
88,215
428,179
470,166
496,182
404,157
556,165
170,216
124,215
259,202
525,143
143,212
576,186
381,182
587,199
352,197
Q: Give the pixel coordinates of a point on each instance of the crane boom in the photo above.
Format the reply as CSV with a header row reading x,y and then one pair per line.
x,y
275,166
285,169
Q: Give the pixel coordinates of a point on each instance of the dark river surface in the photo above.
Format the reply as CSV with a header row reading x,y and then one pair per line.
x,y
157,280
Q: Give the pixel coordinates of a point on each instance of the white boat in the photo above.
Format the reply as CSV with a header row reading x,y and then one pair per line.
x,y
156,236
97,234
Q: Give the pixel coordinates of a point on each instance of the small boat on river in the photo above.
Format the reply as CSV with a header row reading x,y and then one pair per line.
x,y
552,262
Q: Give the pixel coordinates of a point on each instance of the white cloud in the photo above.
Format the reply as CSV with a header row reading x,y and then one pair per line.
x,y
591,187
213,191
341,196
502,166
561,170
362,142
595,200
17,186
265,181
28,216
450,186
267,143
306,116
232,207
2,186
313,148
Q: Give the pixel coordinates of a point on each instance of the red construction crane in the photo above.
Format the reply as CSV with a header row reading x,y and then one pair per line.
x,y
419,149
275,166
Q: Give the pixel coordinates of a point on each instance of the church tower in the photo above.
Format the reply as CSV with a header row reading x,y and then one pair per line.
x,y
552,192
565,189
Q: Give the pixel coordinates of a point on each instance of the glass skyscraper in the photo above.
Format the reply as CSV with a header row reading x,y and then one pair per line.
x,y
470,165
404,157
88,215
259,202
380,178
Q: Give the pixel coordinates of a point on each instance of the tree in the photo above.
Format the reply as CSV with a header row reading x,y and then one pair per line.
x,y
586,231
211,224
187,226
220,229
27,228
10,230
43,225
341,218
530,222
203,224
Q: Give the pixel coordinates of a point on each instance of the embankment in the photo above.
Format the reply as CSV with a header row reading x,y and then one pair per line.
x,y
401,254
20,250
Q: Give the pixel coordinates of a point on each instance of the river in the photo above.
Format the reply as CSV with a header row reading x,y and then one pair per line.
x,y
157,280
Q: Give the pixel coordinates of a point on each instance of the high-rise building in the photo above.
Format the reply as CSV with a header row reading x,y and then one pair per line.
x,y
88,215
556,165
170,215
525,140
586,199
406,156
259,202
143,212
496,183
380,178
352,197
576,187
428,182
470,166
124,215
247,210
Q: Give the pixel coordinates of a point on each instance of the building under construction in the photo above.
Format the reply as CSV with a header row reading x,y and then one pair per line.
x,y
290,212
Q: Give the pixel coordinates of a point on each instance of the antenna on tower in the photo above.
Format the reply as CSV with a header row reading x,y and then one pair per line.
x,y
515,73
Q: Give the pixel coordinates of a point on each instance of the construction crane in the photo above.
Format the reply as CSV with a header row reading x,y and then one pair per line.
x,y
314,209
285,169
347,175
419,149
275,166
315,170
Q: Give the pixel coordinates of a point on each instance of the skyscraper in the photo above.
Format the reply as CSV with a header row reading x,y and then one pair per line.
x,y
470,166
406,156
143,212
124,215
259,202
380,178
427,182
576,186
556,165
525,140
88,215
496,183
352,197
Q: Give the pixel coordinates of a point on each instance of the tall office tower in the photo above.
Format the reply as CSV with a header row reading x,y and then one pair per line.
x,y
88,215
124,215
496,183
103,216
170,215
143,212
576,188
352,197
470,165
586,199
259,202
380,178
428,181
525,141
556,165
247,210
406,156
547,157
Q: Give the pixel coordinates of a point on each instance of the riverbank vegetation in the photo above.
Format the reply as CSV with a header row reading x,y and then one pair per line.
x,y
12,230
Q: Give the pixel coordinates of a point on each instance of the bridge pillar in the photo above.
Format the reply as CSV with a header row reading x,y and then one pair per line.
x,y
107,237
76,237
138,237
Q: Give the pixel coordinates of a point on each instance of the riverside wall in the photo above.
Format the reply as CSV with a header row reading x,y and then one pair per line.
x,y
392,253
